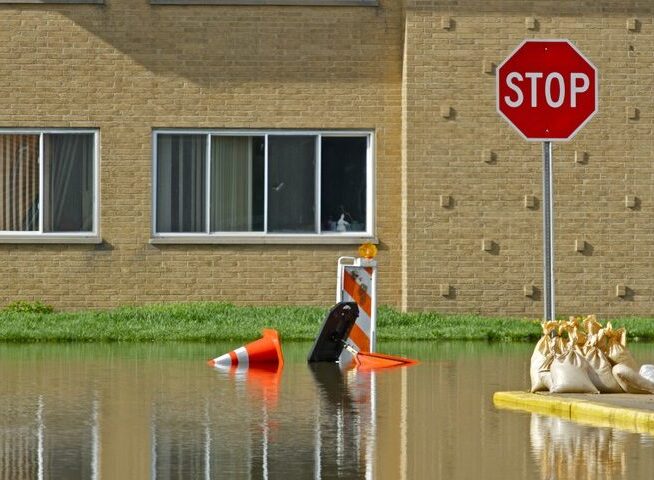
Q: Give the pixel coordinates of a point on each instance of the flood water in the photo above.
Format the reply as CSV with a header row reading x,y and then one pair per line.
x,y
159,412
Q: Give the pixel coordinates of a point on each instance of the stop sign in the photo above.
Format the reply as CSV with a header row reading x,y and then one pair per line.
x,y
547,89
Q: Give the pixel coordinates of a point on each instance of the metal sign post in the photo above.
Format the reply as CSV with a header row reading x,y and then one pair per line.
x,y
548,230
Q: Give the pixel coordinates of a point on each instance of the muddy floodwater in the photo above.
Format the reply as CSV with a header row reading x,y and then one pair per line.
x,y
159,412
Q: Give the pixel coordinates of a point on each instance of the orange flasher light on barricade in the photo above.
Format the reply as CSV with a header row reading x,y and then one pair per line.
x,y
367,250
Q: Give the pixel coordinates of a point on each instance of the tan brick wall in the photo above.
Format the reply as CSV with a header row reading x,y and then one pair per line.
x,y
128,67
444,67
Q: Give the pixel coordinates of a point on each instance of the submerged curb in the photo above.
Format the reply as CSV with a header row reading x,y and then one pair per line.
x,y
583,411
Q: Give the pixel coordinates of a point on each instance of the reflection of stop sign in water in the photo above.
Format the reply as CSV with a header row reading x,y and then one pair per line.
x,y
547,89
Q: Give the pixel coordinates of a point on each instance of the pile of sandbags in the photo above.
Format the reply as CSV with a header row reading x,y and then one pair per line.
x,y
581,356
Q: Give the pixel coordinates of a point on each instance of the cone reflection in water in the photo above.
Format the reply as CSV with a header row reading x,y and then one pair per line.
x,y
265,351
262,382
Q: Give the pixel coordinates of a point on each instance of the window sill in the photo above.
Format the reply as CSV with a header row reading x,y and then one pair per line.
x,y
56,238
298,3
264,240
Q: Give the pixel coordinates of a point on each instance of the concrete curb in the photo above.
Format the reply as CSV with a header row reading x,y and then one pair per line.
x,y
582,411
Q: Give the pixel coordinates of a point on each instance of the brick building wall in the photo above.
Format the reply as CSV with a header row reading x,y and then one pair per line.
x,y
418,73
127,67
487,168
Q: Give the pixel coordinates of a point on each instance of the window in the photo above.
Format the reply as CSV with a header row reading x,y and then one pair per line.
x,y
285,185
48,181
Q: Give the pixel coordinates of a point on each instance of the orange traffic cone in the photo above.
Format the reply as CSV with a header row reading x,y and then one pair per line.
x,y
266,350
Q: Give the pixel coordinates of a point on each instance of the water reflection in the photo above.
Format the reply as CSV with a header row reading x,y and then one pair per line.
x,y
329,436
564,450
32,445
345,422
211,436
157,411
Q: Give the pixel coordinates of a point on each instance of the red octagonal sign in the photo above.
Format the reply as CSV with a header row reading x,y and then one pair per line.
x,y
547,89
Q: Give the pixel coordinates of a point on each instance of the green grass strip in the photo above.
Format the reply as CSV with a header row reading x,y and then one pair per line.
x,y
211,322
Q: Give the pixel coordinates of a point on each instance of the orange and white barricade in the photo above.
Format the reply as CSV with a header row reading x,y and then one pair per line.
x,y
356,282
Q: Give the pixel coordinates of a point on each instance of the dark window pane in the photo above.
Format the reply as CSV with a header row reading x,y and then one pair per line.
x,y
181,183
19,182
237,178
343,184
68,182
291,184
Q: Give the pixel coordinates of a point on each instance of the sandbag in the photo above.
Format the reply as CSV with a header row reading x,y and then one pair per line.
x,y
541,359
617,347
570,373
647,371
591,325
631,381
576,337
542,382
600,372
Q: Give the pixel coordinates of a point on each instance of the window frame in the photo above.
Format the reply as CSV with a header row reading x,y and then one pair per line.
x,y
264,237
8,236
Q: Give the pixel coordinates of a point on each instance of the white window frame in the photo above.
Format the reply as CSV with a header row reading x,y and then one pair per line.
x,y
59,237
263,237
